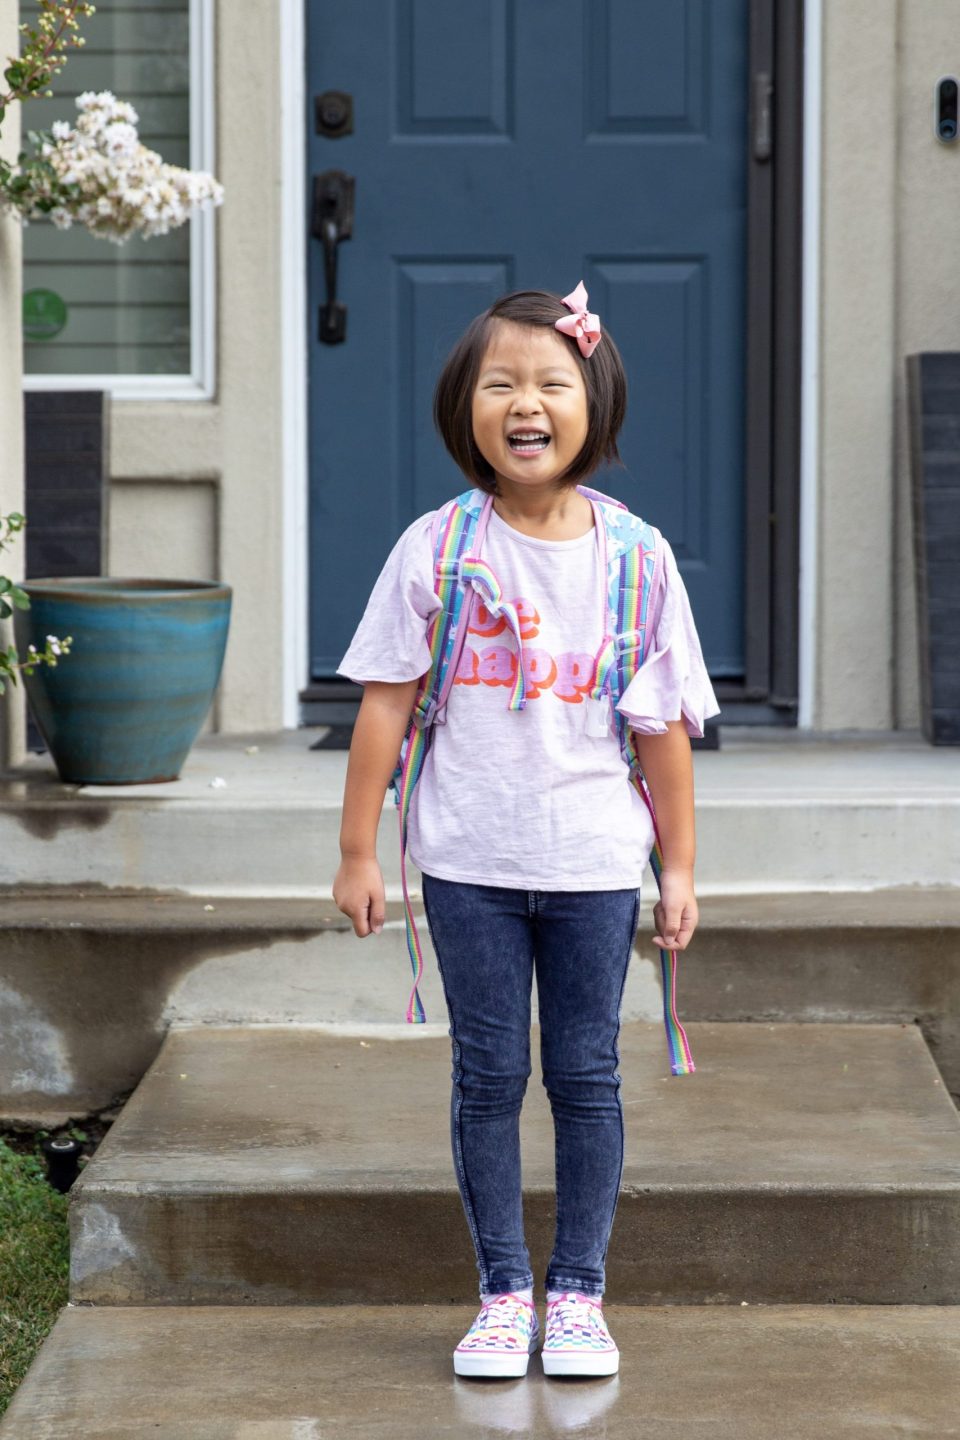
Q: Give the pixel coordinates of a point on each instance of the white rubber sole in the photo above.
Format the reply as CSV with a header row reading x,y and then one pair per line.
x,y
493,1365
560,1362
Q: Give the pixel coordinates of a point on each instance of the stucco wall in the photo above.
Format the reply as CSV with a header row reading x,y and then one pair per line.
x,y
890,286
12,723
854,627
928,274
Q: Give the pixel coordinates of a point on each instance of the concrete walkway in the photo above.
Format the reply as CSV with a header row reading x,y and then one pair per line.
x,y
375,1372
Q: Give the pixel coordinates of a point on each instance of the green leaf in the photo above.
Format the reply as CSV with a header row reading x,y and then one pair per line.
x,y
20,598
5,609
5,584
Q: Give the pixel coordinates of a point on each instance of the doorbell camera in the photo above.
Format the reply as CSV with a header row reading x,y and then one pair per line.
x,y
945,108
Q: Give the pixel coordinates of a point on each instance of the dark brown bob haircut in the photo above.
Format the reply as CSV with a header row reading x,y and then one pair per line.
x,y
603,375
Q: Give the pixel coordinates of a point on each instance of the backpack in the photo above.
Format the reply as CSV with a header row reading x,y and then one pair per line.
x,y
634,567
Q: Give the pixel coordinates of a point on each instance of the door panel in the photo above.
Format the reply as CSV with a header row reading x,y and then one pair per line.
x,y
531,143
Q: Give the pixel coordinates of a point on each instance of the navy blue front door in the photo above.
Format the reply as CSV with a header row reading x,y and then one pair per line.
x,y
513,144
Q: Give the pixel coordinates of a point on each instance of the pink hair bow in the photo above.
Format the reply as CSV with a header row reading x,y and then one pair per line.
x,y
581,325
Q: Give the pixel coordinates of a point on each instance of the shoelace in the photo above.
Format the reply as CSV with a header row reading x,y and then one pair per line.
x,y
572,1313
576,1297
506,1311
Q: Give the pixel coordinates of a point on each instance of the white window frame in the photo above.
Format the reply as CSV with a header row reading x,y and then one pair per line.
x,y
295,362
200,383
810,360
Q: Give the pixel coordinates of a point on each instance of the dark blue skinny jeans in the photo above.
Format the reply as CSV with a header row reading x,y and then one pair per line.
x,y
488,939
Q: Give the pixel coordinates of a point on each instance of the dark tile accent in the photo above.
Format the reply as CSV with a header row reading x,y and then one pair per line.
x,y
66,434
933,390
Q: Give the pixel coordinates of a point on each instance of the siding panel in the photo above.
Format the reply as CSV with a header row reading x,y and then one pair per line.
x,y
128,307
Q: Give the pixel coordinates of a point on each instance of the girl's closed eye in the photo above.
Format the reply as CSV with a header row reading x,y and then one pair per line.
x,y
527,380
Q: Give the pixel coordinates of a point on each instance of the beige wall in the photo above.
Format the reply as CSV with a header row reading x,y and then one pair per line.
x,y
890,286
928,273
854,643
12,727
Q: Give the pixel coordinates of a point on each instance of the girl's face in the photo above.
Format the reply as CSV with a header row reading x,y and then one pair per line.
x,y
531,384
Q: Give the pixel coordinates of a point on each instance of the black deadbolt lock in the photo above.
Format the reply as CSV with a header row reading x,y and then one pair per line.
x,y
333,112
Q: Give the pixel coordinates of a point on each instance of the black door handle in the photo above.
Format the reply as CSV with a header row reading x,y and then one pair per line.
x,y
332,222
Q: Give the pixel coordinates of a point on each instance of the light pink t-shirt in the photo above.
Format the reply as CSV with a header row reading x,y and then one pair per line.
x,y
528,798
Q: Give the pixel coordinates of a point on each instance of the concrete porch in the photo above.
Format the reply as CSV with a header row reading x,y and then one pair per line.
x,y
827,878
777,810
177,948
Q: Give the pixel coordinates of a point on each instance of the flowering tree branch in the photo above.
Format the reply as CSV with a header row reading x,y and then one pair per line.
x,y
98,174
28,73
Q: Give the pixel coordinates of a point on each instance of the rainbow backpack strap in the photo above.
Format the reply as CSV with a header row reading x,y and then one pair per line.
x,y
458,525
634,569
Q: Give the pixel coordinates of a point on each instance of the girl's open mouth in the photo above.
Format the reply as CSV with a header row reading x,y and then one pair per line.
x,y
528,442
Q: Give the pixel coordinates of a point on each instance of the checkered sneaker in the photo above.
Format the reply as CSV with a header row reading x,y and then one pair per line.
x,y
577,1341
500,1340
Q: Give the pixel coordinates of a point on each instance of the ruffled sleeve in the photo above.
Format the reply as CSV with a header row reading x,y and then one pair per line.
x,y
390,641
673,680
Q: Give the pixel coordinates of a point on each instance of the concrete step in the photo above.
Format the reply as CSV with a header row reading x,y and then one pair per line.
x,y
93,978
810,1163
380,1373
772,814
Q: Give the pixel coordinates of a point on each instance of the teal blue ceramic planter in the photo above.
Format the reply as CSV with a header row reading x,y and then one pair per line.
x,y
126,704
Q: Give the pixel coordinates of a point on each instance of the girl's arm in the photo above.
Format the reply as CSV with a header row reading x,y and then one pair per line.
x,y
374,750
667,763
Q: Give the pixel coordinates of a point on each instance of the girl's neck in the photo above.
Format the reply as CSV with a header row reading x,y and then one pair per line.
x,y
545,512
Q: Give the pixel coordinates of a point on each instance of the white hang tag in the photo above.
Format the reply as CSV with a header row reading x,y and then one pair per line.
x,y
597,719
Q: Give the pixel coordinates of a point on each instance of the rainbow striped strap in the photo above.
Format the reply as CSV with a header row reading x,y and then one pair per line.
x,y
631,577
479,574
678,1046
640,567
445,637
412,766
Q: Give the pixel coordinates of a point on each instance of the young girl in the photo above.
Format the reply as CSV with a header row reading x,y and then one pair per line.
x,y
529,838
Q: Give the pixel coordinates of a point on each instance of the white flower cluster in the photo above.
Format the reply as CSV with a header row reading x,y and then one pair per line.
x,y
123,187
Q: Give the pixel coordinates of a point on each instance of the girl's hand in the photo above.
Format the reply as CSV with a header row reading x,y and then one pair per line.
x,y
358,891
676,912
